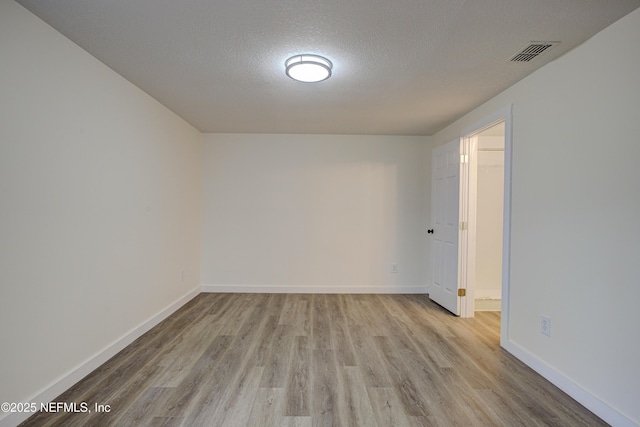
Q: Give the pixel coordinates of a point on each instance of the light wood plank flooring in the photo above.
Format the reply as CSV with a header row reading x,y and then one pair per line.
x,y
318,360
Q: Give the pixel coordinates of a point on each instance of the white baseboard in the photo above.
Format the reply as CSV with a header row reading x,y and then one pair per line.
x,y
487,293
274,289
482,304
583,396
56,388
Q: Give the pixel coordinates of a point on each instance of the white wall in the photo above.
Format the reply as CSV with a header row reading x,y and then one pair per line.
x,y
490,184
99,207
321,213
575,209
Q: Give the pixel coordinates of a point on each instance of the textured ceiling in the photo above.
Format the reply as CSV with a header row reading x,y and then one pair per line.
x,y
401,67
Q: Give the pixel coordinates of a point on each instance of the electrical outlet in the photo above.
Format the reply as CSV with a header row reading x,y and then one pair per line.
x,y
394,268
181,275
545,325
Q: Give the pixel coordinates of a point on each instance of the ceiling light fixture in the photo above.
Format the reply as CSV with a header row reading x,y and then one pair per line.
x,y
308,68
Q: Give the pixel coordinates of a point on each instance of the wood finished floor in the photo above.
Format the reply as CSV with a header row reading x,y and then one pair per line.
x,y
318,360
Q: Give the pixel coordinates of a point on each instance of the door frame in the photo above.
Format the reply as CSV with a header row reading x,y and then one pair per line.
x,y
468,199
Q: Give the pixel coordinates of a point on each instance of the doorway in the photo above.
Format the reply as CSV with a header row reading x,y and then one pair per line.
x,y
489,177
454,205
469,205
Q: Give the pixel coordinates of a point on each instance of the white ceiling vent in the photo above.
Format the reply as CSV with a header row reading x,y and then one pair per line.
x,y
532,50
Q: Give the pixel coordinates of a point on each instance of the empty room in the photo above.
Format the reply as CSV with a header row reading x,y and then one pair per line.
x,y
315,213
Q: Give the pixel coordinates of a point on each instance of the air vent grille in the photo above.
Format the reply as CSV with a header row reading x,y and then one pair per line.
x,y
532,50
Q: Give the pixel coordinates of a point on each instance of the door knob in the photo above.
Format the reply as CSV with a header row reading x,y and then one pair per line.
x,y
430,231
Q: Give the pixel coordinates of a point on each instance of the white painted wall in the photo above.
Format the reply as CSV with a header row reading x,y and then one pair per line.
x,y
490,184
99,206
100,201
321,213
575,209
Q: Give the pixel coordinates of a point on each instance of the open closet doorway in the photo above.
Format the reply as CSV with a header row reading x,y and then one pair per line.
x,y
486,241
489,174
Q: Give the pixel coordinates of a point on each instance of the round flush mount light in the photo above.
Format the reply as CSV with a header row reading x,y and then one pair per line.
x,y
308,68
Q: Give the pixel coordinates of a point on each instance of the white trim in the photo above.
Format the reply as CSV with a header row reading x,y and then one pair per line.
x,y
564,383
487,294
486,304
468,213
506,224
463,234
505,114
287,289
487,122
66,381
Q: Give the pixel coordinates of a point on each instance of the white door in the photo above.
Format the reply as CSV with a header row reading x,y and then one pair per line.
x,y
445,214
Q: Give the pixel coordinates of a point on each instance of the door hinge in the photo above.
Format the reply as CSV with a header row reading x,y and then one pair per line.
x,y
464,158
462,292
463,225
